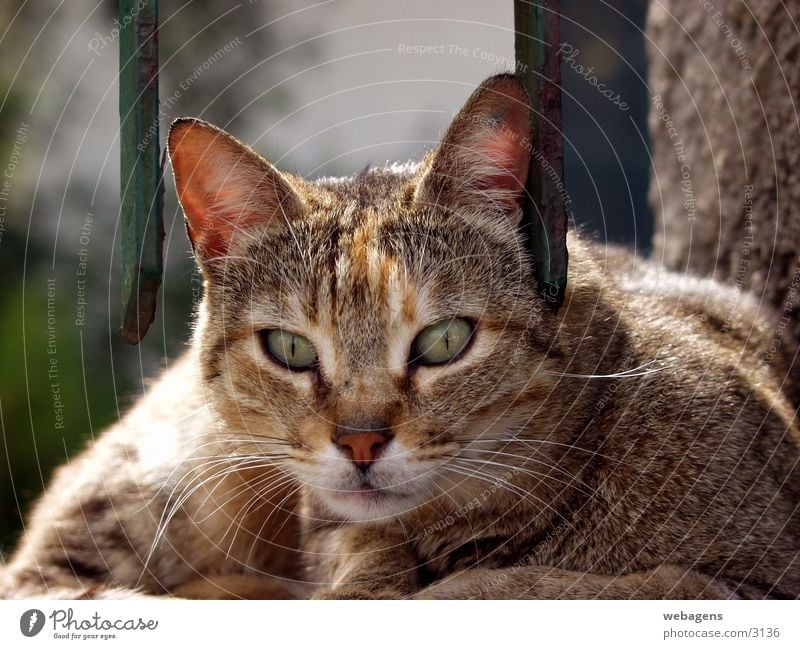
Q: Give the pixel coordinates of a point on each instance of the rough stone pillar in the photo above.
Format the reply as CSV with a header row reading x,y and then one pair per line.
x,y
725,128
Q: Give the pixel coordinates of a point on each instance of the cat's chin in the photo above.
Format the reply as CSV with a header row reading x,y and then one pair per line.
x,y
370,505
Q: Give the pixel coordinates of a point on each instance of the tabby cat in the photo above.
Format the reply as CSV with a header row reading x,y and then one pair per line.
x,y
377,404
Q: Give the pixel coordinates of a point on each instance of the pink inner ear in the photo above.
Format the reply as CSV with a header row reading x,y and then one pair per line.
x,y
508,150
222,186
210,237
209,231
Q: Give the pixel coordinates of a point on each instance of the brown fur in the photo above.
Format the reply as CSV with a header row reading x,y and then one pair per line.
x,y
621,448
92,531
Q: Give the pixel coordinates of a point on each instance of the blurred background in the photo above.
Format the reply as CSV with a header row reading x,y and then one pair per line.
x,y
321,88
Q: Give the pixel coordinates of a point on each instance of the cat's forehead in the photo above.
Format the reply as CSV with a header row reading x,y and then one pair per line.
x,y
367,223
381,188
364,255
364,240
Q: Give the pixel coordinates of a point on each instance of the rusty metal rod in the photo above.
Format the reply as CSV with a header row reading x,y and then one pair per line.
x,y
141,188
536,43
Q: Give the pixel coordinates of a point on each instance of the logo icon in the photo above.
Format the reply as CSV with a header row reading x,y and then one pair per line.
x,y
31,622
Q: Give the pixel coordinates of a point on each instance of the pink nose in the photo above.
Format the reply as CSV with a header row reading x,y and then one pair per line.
x,y
362,448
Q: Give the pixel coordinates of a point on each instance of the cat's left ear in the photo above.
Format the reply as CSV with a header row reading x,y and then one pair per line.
x,y
484,156
227,190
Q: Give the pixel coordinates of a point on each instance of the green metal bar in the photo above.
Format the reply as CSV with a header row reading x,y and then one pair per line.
x,y
142,191
545,216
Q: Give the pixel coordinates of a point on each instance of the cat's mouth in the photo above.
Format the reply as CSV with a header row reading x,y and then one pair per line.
x,y
390,487
368,502
367,490
369,498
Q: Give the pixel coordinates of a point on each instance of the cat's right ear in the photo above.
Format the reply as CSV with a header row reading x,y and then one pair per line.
x,y
484,156
228,191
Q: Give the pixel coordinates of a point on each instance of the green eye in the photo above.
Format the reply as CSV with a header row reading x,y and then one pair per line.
x,y
289,349
441,342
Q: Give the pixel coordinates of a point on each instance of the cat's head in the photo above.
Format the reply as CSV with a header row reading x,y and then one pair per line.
x,y
366,331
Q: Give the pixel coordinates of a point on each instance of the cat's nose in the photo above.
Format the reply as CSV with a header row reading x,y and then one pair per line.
x,y
362,446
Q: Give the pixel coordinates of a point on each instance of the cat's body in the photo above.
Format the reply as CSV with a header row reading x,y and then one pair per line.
x,y
94,531
635,444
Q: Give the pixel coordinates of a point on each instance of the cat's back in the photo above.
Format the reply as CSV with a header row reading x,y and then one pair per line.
x,y
728,319
704,433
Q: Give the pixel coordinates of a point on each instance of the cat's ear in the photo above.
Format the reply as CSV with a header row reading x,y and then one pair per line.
x,y
484,156
227,190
